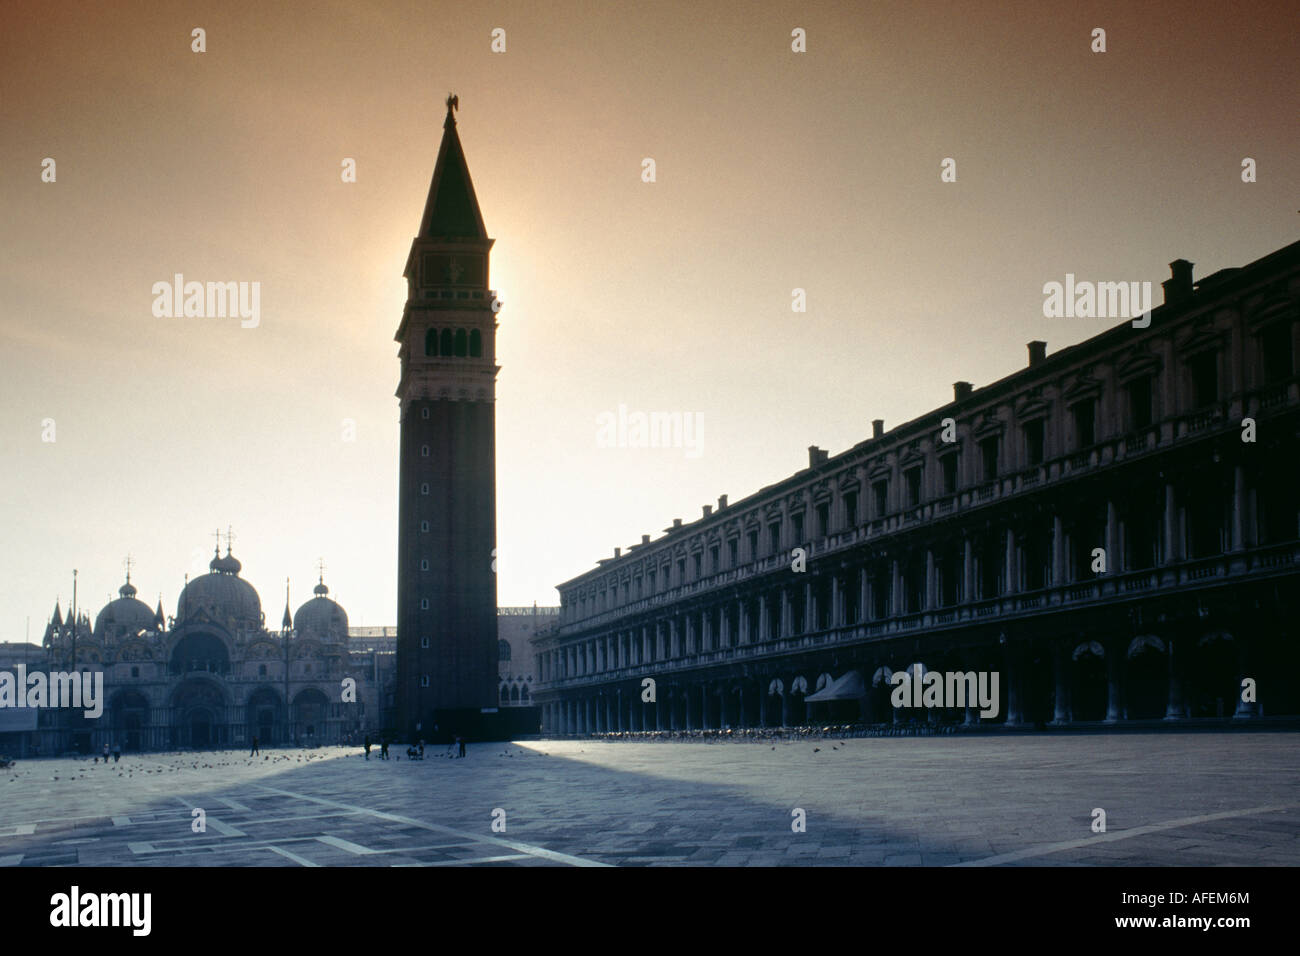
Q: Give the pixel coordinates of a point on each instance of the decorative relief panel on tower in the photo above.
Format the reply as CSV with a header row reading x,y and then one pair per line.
x,y
461,269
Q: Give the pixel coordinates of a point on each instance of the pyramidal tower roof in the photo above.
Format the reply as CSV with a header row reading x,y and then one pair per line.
x,y
451,211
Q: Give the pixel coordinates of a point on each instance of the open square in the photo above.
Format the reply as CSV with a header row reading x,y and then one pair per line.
x,y
1199,799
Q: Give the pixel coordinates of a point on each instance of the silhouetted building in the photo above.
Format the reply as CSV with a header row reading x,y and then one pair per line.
x,y
213,675
982,553
446,587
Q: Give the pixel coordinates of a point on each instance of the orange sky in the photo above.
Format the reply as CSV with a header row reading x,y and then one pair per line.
x,y
775,170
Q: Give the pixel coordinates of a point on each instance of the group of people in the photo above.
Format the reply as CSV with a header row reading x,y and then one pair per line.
x,y
413,752
117,753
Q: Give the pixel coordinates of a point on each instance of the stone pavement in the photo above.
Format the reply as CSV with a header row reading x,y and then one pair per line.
x,y
1170,799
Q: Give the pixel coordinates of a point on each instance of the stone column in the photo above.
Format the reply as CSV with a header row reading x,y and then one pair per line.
x,y
704,706
930,596
1114,553
785,707
1114,701
1171,526
785,613
1058,551
967,572
741,703
896,587
1245,710
1061,667
864,594
1175,710
723,633
809,608
1011,656
1012,581
1238,510
762,701
742,623
764,624
836,617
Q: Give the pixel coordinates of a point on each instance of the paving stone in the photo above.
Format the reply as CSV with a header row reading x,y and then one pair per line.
x,y
890,801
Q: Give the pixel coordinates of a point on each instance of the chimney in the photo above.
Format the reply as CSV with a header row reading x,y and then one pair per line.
x,y
645,539
816,456
1037,352
722,502
877,427
961,390
677,522
618,552
708,510
1179,285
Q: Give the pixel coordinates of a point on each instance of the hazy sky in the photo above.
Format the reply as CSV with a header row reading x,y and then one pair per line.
x,y
775,170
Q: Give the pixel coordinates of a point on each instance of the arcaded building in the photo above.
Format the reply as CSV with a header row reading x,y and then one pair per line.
x,y
1112,529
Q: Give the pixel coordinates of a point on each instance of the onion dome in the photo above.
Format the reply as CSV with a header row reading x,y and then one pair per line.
x,y
321,618
126,615
221,596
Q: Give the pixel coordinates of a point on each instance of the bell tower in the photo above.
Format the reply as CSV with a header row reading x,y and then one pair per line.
x,y
446,539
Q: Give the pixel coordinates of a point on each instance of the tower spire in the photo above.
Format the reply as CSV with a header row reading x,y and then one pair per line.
x,y
451,211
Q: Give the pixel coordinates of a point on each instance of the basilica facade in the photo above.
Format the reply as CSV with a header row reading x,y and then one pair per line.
x,y
214,675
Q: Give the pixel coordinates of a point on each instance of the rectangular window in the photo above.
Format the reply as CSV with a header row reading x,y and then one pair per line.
x,y
1139,402
714,561
1034,442
650,585
989,459
698,565
797,522
753,545
681,570
949,465
1204,369
914,486
823,519
774,536
851,509
880,491
733,552
1085,417
1278,360
880,594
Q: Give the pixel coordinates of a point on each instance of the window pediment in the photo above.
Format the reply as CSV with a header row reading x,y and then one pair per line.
x,y
1084,386
1141,363
987,426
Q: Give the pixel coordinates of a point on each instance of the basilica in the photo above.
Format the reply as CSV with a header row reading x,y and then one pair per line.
x,y
214,675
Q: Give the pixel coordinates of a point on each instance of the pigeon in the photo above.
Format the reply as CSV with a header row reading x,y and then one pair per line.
x,y
817,750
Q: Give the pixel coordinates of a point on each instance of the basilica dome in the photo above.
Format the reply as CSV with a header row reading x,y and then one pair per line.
x,y
321,618
126,615
221,595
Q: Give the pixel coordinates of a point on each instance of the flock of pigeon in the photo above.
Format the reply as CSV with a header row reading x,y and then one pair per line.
x,y
212,760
